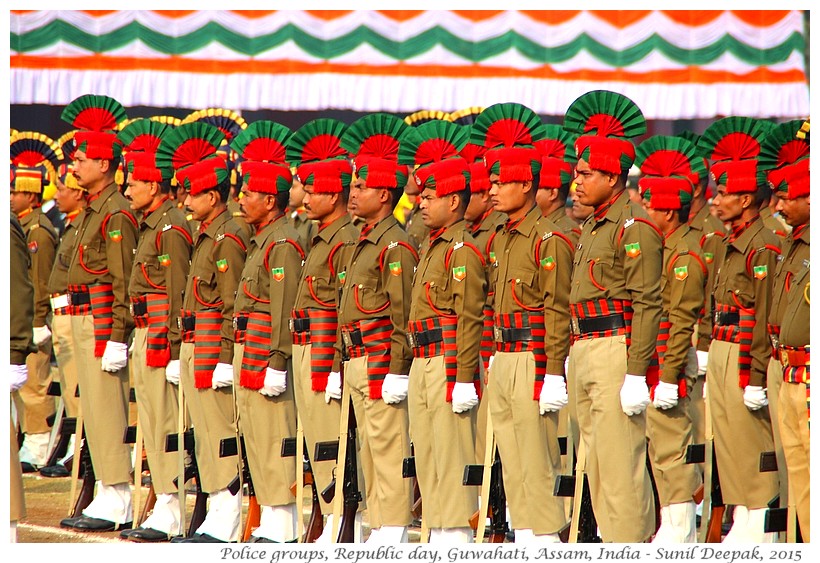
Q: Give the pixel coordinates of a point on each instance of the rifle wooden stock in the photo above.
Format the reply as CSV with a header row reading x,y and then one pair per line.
x,y
77,458
338,483
253,518
350,488
87,489
417,506
315,524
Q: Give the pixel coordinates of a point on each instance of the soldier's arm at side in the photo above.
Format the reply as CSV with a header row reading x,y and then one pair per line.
x,y
282,297
227,283
174,244
555,284
468,302
120,257
398,289
761,345
684,308
42,262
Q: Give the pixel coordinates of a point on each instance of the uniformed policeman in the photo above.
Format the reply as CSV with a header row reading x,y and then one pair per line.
x,y
34,157
297,215
21,315
526,387
557,148
785,156
70,200
262,353
373,315
484,222
710,231
324,171
444,332
616,307
158,278
207,351
740,349
100,319
666,187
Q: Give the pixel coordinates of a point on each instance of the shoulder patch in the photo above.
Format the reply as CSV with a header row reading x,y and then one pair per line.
x,y
681,273
459,273
395,268
115,235
760,272
222,265
709,257
33,246
548,263
633,249
278,274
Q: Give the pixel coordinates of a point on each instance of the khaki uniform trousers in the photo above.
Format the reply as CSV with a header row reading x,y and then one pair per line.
x,y
17,501
385,442
741,435
793,416
443,443
212,414
481,411
265,422
34,404
63,344
104,401
320,420
158,412
774,381
619,481
670,433
527,443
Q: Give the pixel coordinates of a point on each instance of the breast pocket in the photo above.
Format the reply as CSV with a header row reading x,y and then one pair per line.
x,y
93,257
367,294
600,270
523,286
438,293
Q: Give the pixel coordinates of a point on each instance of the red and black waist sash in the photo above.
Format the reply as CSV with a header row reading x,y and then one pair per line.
x,y
523,331
253,329
96,300
203,328
316,327
151,311
653,372
736,325
370,338
600,318
487,338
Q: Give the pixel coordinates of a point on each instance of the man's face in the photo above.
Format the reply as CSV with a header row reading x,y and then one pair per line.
x,y
435,211
139,194
794,211
20,201
593,187
658,216
318,206
201,204
297,195
88,171
477,206
579,210
728,207
66,199
255,206
507,197
364,202
544,199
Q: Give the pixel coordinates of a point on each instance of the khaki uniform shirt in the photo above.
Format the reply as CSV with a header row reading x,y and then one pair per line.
x,y
416,231
628,266
483,233
164,262
216,265
21,338
108,252
566,225
736,286
519,280
377,282
453,285
58,280
236,213
41,237
790,309
683,290
305,228
774,224
269,281
710,232
323,270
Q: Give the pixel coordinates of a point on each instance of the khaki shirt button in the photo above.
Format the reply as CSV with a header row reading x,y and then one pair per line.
x,y
593,232
312,278
518,280
361,286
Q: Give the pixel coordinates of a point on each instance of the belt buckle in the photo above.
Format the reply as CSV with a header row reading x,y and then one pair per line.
x,y
775,341
234,323
411,339
784,358
291,325
347,339
575,326
497,334
179,323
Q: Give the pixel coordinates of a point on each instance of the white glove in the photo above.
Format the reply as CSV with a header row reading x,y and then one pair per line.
x,y
703,359
276,381
394,388
553,395
490,362
634,394
754,397
19,375
172,372
334,386
115,356
464,397
223,375
666,395
41,334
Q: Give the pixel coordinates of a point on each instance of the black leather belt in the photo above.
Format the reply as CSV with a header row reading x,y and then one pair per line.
x,y
523,334
186,322
139,308
79,297
240,323
423,338
352,337
726,318
299,325
596,324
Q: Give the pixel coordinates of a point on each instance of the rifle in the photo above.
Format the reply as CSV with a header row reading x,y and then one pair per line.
x,y
315,523
346,495
89,479
230,447
711,528
190,472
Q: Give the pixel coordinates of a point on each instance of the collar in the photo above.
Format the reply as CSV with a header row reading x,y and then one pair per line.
x,y
210,229
611,210
327,231
375,233
526,225
71,216
671,240
261,234
96,202
557,215
801,233
741,237
23,214
152,217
